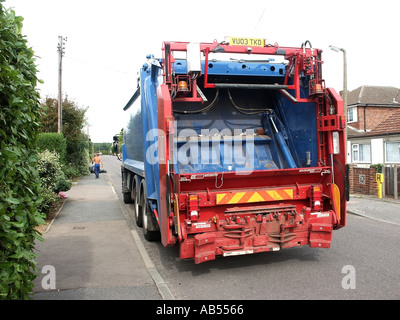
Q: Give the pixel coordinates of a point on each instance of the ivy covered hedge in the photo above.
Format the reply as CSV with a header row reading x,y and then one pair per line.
x,y
19,179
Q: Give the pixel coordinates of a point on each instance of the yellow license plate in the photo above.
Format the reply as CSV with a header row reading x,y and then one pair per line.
x,y
252,42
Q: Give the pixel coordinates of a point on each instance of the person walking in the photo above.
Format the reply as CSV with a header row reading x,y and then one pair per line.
x,y
97,162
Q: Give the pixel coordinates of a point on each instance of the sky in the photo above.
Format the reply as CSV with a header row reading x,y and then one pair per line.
x,y
107,42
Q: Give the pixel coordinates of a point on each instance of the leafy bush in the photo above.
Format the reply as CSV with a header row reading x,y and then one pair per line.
x,y
53,142
70,171
78,155
19,179
378,167
63,185
49,169
49,198
52,179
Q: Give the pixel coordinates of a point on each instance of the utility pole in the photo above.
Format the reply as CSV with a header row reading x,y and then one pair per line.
x,y
60,50
337,49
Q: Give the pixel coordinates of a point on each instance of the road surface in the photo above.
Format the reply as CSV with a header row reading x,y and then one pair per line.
x,y
362,263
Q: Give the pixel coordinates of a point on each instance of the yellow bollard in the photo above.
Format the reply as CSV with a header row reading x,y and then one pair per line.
x,y
379,180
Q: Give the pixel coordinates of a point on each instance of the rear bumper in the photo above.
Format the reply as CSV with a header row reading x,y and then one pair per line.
x,y
241,235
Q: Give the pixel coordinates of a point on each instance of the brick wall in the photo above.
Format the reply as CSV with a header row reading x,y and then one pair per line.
x,y
374,116
363,180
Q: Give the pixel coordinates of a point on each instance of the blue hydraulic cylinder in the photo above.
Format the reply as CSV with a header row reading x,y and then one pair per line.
x,y
285,150
283,146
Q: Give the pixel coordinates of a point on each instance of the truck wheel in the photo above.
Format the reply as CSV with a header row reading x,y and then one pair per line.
x,y
126,194
136,203
127,197
147,217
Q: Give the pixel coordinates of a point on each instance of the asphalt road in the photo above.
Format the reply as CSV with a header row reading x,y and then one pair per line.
x,y
362,263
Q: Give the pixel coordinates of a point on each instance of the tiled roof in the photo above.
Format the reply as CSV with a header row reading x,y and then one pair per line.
x,y
374,95
389,125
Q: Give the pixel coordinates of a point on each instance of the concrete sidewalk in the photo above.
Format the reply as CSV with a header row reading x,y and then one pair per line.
x,y
385,209
92,250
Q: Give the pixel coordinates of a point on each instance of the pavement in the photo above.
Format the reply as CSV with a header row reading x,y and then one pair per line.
x,y
384,210
93,252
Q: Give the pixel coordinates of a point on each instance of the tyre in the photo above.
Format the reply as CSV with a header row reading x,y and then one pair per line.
x,y
127,197
148,219
136,201
126,194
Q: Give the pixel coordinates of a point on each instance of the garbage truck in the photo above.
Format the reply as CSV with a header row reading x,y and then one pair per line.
x,y
235,147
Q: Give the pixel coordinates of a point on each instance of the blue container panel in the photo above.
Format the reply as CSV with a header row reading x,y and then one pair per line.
x,y
140,135
215,140
134,135
224,156
149,78
237,68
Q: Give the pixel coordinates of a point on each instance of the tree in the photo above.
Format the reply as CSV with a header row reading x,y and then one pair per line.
x,y
74,121
103,147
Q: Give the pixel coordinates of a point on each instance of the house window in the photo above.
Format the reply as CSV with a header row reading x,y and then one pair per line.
x,y
392,151
361,152
352,115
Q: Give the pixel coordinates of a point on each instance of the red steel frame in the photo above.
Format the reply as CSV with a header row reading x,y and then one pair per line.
x,y
317,204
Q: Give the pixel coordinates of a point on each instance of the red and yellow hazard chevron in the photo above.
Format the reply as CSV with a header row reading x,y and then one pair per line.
x,y
254,196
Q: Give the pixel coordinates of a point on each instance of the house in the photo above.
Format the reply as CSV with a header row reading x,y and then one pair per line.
x,y
373,125
373,137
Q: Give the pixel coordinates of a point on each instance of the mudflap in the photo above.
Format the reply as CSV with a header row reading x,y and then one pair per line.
x,y
320,235
204,247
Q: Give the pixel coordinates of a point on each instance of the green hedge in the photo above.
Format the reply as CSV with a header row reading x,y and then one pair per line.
x,y
19,179
53,142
